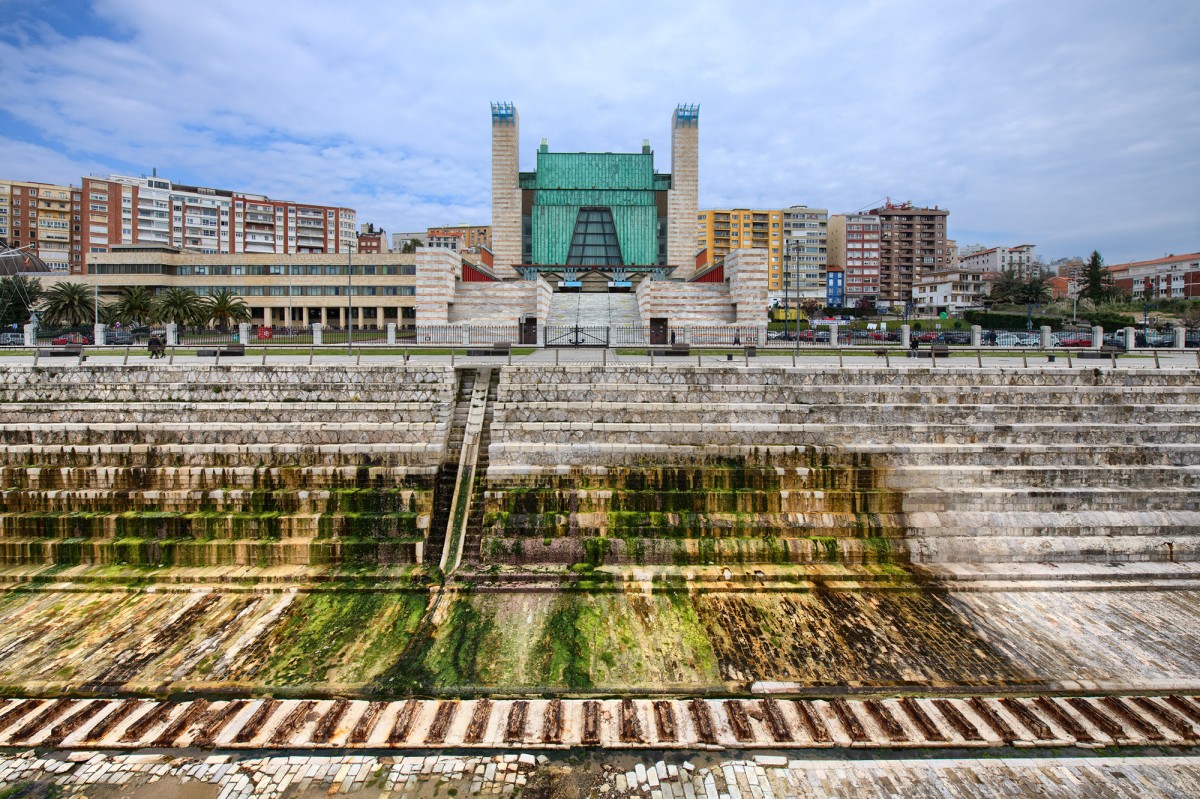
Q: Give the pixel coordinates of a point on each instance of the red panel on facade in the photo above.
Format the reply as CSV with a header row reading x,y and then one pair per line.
x,y
473,275
714,275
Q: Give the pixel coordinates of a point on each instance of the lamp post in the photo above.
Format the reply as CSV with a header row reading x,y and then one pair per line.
x,y
349,301
6,250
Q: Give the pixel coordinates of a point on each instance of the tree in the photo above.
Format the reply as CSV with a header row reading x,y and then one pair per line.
x,y
18,294
225,308
135,305
1006,288
68,303
810,307
1191,316
1096,283
865,305
410,246
180,306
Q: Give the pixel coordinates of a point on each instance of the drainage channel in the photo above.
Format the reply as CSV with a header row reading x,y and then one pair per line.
x,y
764,723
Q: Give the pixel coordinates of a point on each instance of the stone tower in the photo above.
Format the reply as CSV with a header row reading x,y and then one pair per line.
x,y
506,190
683,198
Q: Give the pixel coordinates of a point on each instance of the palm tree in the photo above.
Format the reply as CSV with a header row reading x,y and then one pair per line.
x,y
18,294
68,303
135,305
180,306
226,308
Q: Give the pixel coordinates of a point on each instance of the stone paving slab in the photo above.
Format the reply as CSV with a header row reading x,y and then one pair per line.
x,y
765,776
615,724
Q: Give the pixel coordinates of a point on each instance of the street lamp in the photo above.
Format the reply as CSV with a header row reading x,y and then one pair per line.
x,y
349,301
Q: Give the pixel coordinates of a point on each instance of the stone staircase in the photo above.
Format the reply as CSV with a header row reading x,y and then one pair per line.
x,y
593,309
220,466
691,466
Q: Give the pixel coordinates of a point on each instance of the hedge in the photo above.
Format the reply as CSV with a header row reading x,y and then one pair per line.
x,y
990,320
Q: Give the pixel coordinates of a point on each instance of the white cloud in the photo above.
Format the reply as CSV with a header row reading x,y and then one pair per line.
x,y
1071,124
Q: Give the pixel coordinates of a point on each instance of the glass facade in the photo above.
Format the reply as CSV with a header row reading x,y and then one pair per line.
x,y
595,240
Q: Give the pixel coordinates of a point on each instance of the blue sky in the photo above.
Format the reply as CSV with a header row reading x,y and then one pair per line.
x,y
1071,125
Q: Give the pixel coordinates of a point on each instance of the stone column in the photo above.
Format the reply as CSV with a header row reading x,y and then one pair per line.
x,y
1047,338
905,334
833,335
244,333
683,196
325,316
172,334
341,317
30,336
98,335
304,317
287,318
318,338
976,335
1097,337
506,191
268,317
361,317
380,315
391,334
1130,339
1180,339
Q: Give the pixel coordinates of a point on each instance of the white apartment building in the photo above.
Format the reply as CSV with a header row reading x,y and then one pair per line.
x,y
854,246
805,253
950,290
997,259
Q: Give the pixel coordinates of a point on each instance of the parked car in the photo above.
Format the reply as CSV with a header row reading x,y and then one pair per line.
x,y
1007,339
119,337
1072,339
12,339
72,338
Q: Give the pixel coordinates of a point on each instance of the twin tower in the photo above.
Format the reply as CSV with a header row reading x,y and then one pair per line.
x,y
605,211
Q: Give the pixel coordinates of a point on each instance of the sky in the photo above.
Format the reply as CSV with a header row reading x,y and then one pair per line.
x,y
1070,124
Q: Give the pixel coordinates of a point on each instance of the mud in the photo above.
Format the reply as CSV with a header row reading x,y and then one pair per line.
x,y
887,722
813,725
21,709
1053,712
328,724
959,722
138,729
1188,709
479,721
72,723
850,722
56,709
1094,717
195,712
1032,723
256,721
441,722
552,723
919,717
110,722
366,722
209,727
738,720
631,725
989,715
664,721
776,724
402,726
301,714
514,727
702,720
591,723
1166,718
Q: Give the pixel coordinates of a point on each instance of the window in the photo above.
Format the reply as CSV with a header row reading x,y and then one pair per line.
x,y
595,239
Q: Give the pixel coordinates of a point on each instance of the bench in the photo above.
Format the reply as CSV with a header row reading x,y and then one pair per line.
x,y
935,350
501,348
228,349
673,350
62,351
1105,353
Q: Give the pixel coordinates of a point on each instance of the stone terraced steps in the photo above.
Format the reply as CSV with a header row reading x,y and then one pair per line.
x,y
1043,721
945,466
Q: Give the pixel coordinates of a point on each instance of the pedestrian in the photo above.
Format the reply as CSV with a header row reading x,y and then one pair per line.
x,y
672,336
913,346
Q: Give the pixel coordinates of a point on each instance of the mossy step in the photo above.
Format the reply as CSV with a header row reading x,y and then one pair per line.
x,y
258,477
210,525
702,501
667,551
235,501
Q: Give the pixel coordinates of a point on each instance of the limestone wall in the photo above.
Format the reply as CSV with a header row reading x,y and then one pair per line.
x,y
506,195
684,304
498,303
683,197
437,269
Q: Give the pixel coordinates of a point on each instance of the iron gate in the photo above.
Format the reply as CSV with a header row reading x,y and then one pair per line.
x,y
576,336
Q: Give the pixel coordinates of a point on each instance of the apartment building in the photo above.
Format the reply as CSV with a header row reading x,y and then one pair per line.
x,y
43,218
854,246
123,210
999,259
805,254
912,243
951,290
1173,276
372,239
471,237
725,230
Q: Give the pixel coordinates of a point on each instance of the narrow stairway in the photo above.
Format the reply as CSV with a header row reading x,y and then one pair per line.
x,y
474,536
443,492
